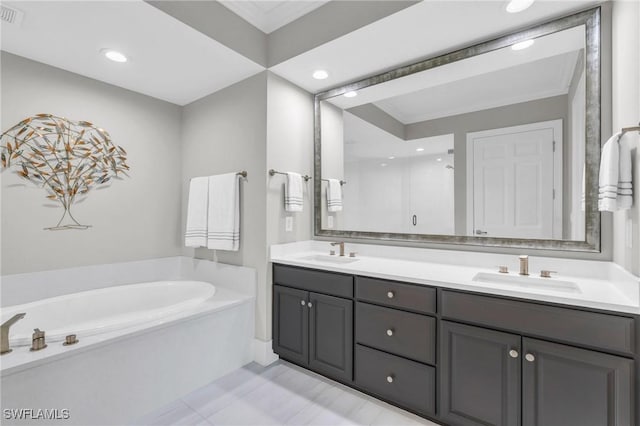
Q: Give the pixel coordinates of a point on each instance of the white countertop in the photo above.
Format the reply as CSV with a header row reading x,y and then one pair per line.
x,y
598,285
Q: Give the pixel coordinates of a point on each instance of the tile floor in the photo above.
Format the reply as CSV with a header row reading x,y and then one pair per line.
x,y
281,394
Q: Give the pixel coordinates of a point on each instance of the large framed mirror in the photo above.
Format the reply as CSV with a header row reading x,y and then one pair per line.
x,y
496,144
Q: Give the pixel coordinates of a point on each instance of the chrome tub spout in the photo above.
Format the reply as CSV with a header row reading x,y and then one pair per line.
x,y
4,332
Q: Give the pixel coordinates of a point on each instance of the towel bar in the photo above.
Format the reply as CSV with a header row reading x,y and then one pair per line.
x,y
243,174
630,129
342,182
274,172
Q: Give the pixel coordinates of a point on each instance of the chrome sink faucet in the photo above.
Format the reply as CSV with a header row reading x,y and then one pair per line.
x,y
524,264
341,244
4,332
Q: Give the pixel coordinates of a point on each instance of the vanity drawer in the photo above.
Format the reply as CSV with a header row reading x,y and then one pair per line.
x,y
395,294
311,280
596,330
412,335
407,383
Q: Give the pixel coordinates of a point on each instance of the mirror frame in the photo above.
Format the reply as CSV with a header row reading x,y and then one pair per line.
x,y
591,20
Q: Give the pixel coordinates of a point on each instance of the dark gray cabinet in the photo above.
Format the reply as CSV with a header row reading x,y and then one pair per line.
x,y
409,335
314,330
291,324
495,378
566,386
457,357
480,376
331,335
407,383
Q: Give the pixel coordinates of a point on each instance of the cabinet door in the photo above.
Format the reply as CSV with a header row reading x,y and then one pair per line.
x,y
480,376
291,324
331,336
566,386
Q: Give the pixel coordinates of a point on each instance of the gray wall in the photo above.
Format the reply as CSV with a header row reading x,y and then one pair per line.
x,y
257,124
513,115
289,148
133,219
226,132
626,112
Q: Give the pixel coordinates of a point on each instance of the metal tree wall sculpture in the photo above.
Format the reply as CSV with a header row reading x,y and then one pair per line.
x,y
65,157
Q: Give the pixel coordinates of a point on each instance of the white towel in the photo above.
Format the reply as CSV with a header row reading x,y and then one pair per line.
x,y
196,232
293,201
615,188
334,196
224,212
625,184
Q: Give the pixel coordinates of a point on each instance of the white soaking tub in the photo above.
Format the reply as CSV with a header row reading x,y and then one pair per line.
x,y
141,345
99,311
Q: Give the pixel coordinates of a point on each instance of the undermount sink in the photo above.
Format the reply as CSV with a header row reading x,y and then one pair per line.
x,y
527,281
330,258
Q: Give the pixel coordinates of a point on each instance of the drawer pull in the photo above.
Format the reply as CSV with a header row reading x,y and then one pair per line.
x,y
391,294
390,378
390,332
302,302
530,357
513,353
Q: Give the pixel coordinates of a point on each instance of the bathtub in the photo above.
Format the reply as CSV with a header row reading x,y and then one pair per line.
x,y
141,345
99,311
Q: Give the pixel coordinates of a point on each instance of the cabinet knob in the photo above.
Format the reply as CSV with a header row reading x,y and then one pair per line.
x,y
390,378
513,353
390,332
310,305
391,294
302,302
530,357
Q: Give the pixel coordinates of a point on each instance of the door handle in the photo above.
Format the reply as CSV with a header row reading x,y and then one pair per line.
x,y
479,232
414,220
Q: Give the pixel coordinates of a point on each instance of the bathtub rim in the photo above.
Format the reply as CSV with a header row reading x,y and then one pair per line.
x,y
55,335
22,359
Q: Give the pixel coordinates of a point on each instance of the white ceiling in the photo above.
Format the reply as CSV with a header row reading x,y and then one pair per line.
x,y
498,78
423,30
168,59
269,15
363,140
536,80
171,61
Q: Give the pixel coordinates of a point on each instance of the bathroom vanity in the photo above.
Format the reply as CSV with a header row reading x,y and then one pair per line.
x,y
455,354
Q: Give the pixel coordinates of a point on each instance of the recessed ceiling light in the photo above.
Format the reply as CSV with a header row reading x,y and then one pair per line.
x,y
351,94
383,164
516,6
114,55
522,45
392,157
419,149
438,159
320,74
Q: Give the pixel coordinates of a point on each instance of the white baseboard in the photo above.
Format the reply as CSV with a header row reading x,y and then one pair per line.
x,y
263,354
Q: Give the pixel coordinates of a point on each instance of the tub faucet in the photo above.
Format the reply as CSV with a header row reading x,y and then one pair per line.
x,y
4,332
524,264
341,244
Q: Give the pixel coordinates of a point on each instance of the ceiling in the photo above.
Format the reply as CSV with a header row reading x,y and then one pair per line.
x,y
537,80
168,59
423,30
172,61
497,78
365,141
269,15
